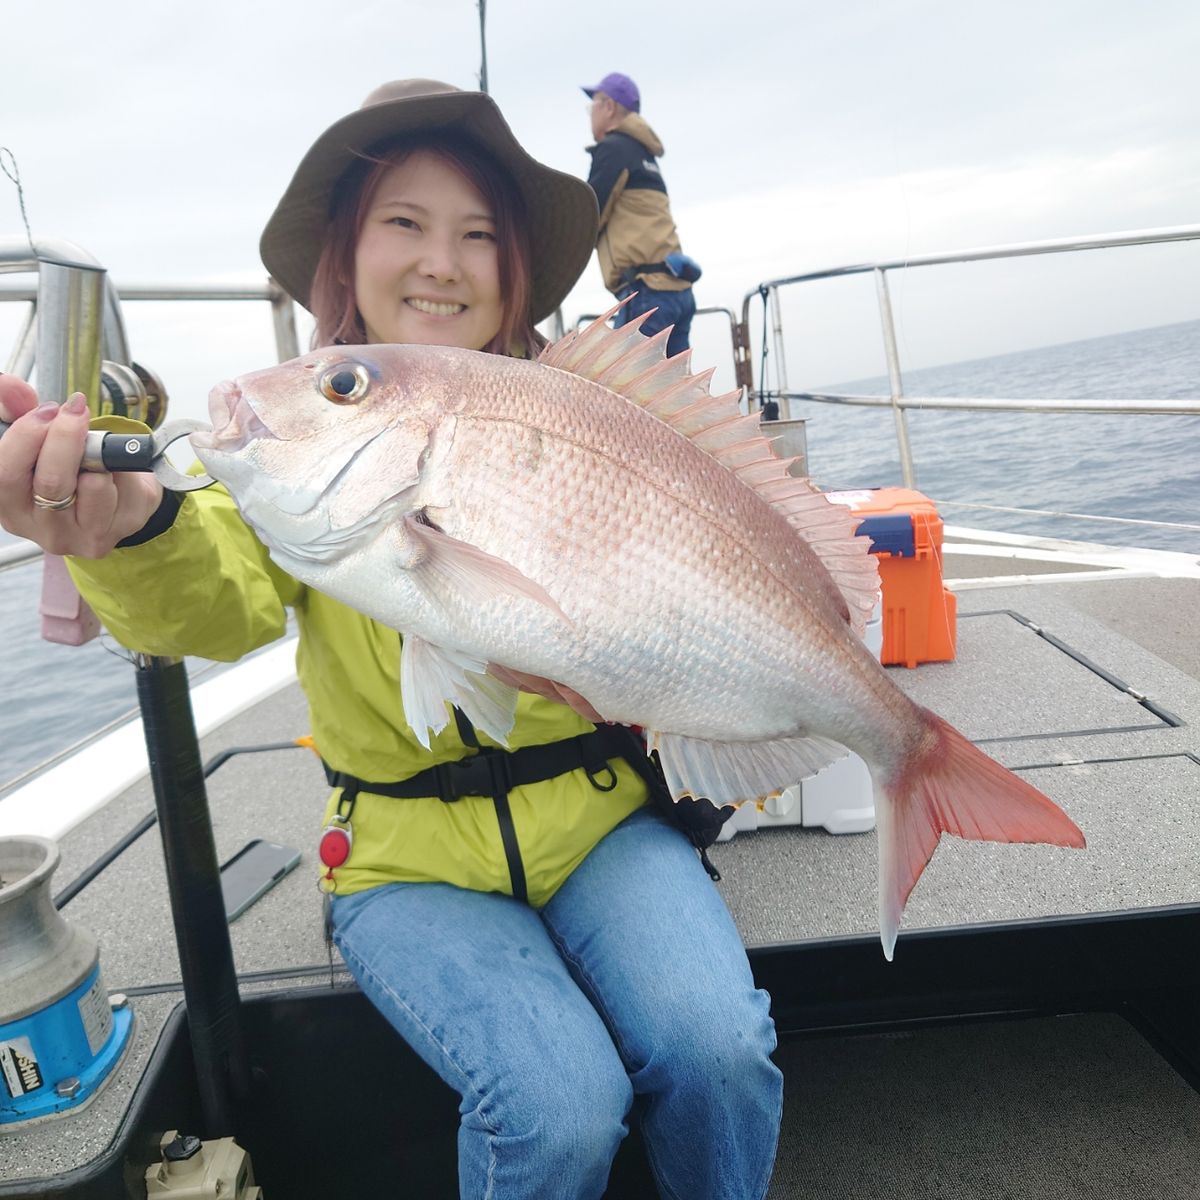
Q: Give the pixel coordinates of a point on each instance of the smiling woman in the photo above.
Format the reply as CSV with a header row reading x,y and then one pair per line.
x,y
511,906
430,235
425,267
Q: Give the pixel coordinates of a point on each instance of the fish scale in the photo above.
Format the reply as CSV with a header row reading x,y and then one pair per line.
x,y
520,518
596,526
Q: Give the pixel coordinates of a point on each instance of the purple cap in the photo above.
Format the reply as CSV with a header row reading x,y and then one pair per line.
x,y
620,88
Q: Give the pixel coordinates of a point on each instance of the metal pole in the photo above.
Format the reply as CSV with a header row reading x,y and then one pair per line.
x,y
20,362
893,362
283,314
116,344
785,410
70,308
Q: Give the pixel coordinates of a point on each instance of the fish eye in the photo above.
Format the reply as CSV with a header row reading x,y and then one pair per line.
x,y
345,383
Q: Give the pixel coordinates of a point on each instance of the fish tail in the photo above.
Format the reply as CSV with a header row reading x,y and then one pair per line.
x,y
951,786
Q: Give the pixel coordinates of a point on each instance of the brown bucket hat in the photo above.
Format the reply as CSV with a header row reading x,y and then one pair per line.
x,y
562,209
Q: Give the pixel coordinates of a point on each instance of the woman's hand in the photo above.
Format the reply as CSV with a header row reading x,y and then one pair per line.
x,y
39,469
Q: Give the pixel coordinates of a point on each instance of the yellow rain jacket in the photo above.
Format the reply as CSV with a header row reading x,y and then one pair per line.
x,y
206,587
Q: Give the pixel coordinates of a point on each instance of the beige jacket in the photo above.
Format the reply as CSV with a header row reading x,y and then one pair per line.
x,y
636,225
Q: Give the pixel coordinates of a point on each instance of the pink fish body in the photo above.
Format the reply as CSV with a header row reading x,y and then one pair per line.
x,y
597,527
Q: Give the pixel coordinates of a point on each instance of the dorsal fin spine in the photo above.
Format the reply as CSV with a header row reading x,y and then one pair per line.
x,y
635,366
639,359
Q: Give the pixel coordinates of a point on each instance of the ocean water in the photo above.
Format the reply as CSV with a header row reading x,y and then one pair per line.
x,y
1143,467
1113,465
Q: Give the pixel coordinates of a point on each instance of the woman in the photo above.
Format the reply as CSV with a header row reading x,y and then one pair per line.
x,y
548,944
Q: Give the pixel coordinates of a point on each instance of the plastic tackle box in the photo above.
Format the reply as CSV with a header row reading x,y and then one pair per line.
x,y
919,612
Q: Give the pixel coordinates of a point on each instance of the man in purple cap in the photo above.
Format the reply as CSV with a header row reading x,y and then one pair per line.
x,y
638,245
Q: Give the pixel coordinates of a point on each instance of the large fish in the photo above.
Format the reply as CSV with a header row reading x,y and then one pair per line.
x,y
597,527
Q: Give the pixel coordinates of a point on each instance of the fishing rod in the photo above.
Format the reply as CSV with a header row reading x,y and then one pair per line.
x,y
483,82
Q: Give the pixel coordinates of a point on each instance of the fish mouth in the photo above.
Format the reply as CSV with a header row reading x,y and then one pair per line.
x,y
235,424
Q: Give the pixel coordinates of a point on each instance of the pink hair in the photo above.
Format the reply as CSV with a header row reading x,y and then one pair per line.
x,y
332,299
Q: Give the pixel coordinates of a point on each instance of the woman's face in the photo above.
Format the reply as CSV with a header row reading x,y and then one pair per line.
x,y
426,263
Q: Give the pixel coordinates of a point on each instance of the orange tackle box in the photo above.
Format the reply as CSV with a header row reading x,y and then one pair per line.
x,y
919,612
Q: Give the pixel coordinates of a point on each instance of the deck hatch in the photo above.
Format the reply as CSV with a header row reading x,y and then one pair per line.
x,y
1141,816
1037,686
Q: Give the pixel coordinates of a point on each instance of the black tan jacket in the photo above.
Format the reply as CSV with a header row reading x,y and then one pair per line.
x,y
636,225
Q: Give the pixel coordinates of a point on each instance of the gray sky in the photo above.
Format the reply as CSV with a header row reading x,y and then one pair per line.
x,y
798,135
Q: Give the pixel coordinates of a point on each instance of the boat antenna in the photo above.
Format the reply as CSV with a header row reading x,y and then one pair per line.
x,y
482,6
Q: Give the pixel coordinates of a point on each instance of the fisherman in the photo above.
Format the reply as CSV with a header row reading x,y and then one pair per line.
x,y
537,931
638,244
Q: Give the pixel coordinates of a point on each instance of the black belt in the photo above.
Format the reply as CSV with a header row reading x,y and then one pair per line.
x,y
493,771
630,275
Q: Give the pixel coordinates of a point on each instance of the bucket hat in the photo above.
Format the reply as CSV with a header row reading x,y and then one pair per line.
x,y
561,209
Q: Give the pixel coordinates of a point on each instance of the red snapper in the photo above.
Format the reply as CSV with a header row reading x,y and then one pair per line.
x,y
597,527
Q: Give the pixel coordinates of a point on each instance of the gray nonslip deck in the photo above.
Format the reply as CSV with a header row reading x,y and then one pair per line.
x,y
1040,680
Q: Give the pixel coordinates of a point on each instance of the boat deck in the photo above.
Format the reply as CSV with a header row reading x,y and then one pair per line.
x,y
1091,689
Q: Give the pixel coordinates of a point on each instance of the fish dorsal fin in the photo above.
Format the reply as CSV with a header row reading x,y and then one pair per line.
x,y
626,361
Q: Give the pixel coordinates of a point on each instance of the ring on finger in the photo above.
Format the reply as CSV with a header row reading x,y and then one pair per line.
x,y
53,505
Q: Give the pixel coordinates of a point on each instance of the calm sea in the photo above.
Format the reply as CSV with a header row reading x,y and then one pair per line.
x,y
1144,467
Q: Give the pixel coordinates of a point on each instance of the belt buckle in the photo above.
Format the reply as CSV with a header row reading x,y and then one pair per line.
x,y
470,776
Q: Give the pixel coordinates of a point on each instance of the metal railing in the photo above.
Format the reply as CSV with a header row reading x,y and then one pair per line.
x,y
16,257
283,309
73,291
896,399
736,330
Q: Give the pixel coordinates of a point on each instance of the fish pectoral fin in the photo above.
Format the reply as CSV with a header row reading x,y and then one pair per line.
x,y
734,772
469,572
549,688
432,677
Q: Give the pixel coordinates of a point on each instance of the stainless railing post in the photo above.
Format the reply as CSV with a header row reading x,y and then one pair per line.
x,y
785,408
70,332
116,344
283,315
897,383
70,307
20,361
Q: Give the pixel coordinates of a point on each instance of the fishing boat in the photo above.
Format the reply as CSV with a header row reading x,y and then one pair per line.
x,y
1038,1033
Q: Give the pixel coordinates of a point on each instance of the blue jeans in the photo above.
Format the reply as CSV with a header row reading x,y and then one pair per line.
x,y
632,981
674,308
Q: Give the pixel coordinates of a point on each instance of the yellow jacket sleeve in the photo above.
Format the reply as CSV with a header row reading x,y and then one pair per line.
x,y
204,587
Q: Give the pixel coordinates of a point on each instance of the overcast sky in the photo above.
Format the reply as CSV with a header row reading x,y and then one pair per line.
x,y
798,135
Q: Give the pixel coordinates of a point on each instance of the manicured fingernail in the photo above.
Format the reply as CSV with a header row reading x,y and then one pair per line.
x,y
45,412
76,405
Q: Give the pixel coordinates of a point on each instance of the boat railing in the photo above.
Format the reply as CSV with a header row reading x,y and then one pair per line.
x,y
896,399
287,344
72,290
49,256
736,328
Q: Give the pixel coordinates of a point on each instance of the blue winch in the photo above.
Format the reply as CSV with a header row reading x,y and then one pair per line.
x,y
60,1033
